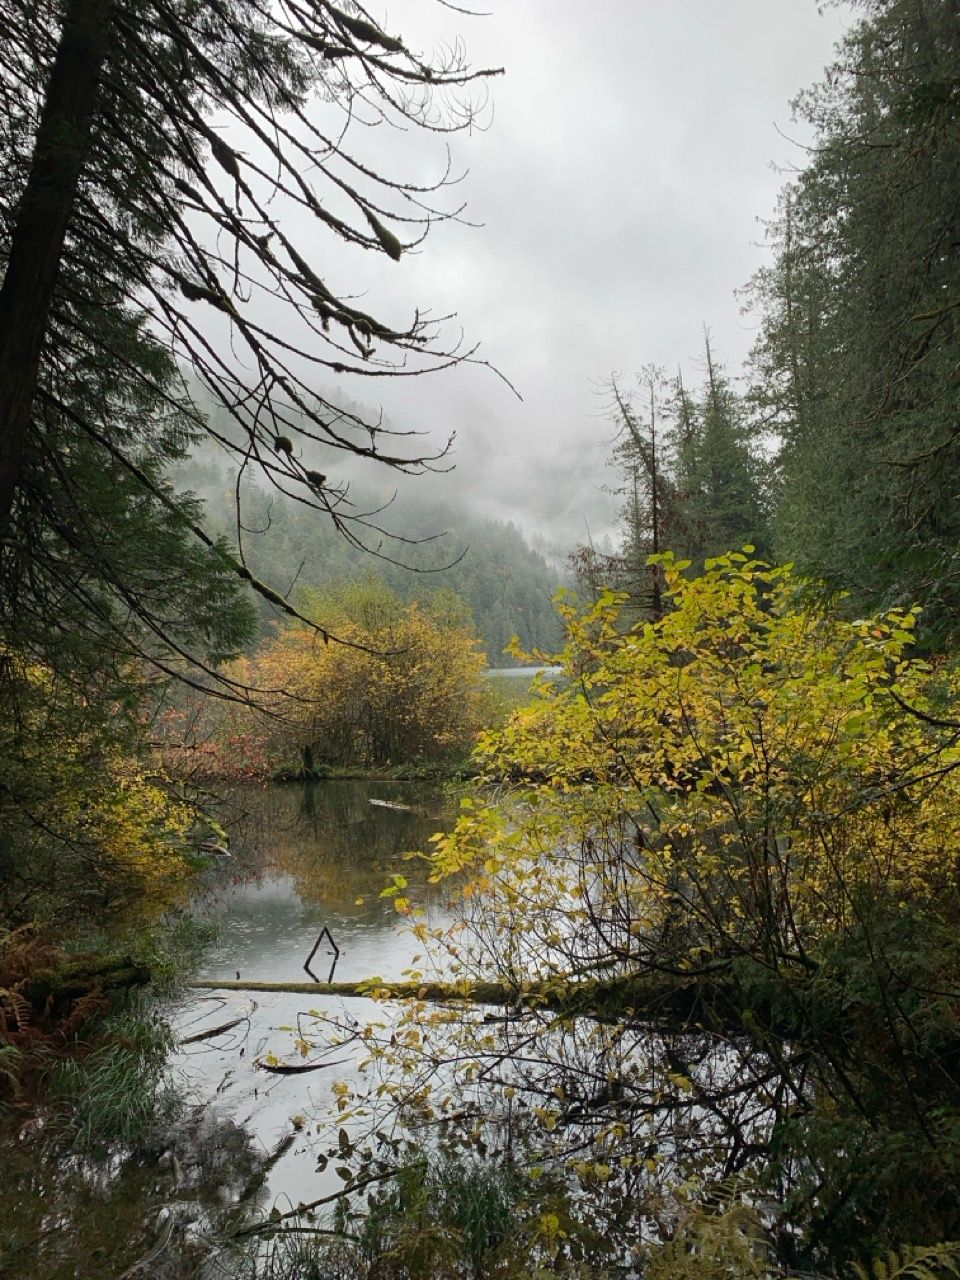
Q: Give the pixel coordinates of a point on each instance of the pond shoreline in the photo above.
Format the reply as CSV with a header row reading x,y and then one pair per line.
x,y
455,771
238,1139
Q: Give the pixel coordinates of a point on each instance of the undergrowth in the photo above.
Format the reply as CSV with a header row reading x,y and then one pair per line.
x,y
118,1093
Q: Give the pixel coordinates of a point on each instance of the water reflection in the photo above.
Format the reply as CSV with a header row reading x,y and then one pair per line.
x,y
315,856
63,1217
304,857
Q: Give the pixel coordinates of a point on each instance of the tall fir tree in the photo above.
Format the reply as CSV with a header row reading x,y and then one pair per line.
x,y
693,478
858,359
720,465
651,515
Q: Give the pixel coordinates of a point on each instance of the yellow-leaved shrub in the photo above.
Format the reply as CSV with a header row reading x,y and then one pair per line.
x,y
741,775
400,684
84,824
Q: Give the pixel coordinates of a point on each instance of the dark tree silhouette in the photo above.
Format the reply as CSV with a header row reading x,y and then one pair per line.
x,y
172,177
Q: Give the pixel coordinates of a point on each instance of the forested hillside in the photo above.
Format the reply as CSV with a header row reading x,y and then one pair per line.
x,y
418,546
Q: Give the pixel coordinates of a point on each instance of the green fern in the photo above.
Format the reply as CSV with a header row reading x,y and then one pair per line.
x,y
918,1262
11,1060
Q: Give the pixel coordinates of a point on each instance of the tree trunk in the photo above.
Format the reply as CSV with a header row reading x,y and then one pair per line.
x,y
648,996
36,246
52,993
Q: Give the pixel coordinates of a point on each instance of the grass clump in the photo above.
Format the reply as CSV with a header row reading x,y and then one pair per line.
x,y
117,1093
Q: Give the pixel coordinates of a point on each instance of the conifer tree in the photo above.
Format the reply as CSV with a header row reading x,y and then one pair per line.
x,y
724,500
858,360
692,477
651,513
151,154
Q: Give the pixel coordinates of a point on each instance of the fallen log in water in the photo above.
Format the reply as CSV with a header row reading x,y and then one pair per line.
x,y
221,1029
648,996
475,993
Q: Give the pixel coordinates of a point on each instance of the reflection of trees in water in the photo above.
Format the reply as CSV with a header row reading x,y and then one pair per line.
x,y
630,1112
336,845
63,1216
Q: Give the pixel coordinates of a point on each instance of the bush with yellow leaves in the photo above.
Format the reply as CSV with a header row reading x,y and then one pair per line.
x,y
85,828
756,803
401,684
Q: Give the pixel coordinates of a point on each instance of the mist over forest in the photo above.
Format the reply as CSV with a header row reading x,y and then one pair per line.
x,y
420,535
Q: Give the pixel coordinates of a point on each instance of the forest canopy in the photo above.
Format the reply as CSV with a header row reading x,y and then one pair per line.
x,y
856,366
836,450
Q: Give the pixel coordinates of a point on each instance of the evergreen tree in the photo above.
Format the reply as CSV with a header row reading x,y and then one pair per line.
x,y
137,238
651,515
684,442
858,360
722,487
693,479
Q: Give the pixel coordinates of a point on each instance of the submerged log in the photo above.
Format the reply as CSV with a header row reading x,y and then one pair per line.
x,y
392,804
475,993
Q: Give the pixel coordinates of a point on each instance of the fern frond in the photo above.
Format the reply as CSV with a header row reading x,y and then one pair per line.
x,y
18,1005
914,1262
11,1060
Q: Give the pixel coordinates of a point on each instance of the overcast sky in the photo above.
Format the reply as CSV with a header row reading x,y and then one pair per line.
x,y
627,164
